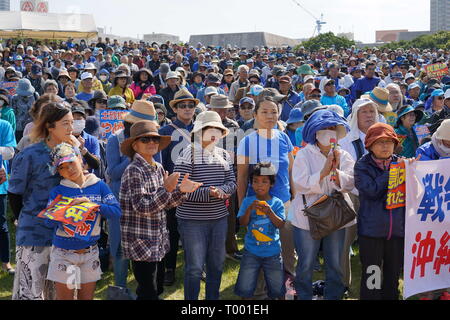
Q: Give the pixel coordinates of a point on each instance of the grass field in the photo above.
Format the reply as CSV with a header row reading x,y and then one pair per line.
x,y
175,292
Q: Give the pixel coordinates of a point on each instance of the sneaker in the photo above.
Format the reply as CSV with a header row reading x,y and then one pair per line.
x,y
203,278
169,277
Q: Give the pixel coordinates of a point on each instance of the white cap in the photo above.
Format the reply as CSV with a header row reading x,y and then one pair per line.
x,y
447,94
30,48
172,75
90,66
308,77
86,75
409,75
209,91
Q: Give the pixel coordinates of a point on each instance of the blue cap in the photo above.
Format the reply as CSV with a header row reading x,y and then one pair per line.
x,y
398,75
295,115
413,86
246,100
437,93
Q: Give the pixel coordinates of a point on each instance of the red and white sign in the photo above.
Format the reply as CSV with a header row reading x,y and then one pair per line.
x,y
28,5
427,228
42,6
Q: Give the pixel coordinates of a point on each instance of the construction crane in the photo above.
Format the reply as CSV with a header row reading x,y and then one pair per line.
x,y
319,22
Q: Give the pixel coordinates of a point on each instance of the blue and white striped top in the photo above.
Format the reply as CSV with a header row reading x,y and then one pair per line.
x,y
212,169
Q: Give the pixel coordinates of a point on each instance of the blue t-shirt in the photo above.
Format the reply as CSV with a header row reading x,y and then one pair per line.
x,y
7,139
32,179
275,151
262,238
84,96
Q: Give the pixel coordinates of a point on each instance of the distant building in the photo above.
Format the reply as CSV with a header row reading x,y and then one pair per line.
x,y
387,35
5,5
440,15
161,38
408,36
246,39
347,35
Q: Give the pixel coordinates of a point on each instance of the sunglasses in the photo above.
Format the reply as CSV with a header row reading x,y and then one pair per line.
x,y
185,105
249,107
440,97
102,101
254,82
228,75
147,140
315,96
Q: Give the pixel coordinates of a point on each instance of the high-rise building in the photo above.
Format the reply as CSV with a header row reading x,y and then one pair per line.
x,y
5,5
440,15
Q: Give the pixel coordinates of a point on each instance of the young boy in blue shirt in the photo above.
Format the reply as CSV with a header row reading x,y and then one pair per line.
x,y
74,259
263,215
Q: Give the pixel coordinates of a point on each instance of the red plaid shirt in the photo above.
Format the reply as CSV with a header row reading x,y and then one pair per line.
x,y
143,200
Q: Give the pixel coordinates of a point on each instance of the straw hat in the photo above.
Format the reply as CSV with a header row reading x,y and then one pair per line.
x,y
209,119
141,129
381,97
182,95
141,110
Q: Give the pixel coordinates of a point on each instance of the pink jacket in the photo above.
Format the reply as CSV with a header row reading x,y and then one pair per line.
x,y
137,90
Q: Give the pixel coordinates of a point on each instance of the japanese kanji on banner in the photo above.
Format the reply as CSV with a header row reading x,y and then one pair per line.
x,y
62,211
396,186
111,122
436,70
427,229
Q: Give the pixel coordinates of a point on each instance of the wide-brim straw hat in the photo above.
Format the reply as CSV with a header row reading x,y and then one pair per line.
x,y
183,95
209,119
141,129
381,97
141,110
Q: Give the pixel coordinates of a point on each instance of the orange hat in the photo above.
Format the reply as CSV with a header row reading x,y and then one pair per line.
x,y
380,130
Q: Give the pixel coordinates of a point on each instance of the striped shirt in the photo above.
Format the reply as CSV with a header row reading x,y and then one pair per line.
x,y
212,169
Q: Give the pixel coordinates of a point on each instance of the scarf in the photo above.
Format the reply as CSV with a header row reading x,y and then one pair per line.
x,y
439,146
382,163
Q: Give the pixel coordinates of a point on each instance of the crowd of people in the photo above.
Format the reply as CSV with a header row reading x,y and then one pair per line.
x,y
216,139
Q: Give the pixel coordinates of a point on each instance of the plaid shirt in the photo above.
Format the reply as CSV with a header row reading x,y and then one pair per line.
x,y
143,200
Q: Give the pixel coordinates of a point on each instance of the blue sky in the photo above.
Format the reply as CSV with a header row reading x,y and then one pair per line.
x,y
283,17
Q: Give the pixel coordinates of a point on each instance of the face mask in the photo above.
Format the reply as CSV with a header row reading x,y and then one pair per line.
x,y
103,78
324,136
78,126
212,135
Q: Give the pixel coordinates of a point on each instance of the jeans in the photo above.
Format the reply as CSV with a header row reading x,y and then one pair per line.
x,y
249,271
307,249
4,233
150,278
120,268
203,243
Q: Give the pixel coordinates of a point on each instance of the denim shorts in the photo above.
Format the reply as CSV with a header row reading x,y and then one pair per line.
x,y
73,268
249,271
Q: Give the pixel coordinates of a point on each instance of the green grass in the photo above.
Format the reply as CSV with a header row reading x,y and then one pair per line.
x,y
175,292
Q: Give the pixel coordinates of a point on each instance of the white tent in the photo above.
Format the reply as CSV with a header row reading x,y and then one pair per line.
x,y
46,25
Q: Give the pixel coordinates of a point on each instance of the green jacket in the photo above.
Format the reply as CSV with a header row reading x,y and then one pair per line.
x,y
410,142
7,114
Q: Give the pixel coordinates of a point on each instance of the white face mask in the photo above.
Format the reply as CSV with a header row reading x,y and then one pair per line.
x,y
103,78
78,126
324,137
212,135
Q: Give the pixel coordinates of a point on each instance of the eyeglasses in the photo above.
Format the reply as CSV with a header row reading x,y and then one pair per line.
x,y
185,106
440,97
147,140
248,107
102,101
